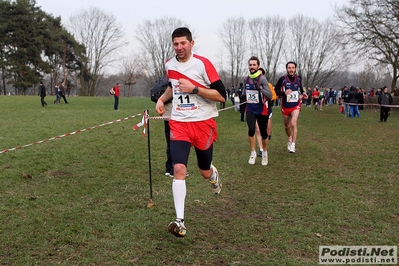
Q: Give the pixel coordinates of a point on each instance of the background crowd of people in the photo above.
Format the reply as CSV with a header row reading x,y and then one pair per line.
x,y
351,100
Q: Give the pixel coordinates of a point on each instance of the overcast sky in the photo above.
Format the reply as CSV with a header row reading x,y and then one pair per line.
x,y
205,16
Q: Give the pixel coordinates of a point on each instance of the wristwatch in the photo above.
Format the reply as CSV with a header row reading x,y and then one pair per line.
x,y
195,90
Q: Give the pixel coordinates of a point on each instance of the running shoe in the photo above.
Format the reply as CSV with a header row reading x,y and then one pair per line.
x,y
216,183
252,158
292,150
289,143
177,228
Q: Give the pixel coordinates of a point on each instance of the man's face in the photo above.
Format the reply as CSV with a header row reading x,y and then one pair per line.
x,y
182,48
291,69
253,66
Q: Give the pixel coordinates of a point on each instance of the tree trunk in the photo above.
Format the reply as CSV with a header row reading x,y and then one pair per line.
x,y
4,80
394,78
64,63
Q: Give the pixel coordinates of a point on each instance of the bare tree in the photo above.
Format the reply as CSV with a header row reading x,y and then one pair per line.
x,y
103,37
372,27
224,76
315,48
132,71
380,74
266,41
156,40
365,77
233,33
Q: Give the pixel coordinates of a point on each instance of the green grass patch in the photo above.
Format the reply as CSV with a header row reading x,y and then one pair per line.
x,y
86,203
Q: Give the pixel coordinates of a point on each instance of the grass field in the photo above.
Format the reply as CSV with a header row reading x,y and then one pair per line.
x,y
86,200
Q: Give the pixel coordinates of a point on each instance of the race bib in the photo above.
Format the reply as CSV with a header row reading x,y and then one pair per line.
x,y
293,97
185,101
252,97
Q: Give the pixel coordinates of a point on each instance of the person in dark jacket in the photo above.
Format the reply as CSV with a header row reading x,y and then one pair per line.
x,y
353,100
62,92
42,93
384,99
57,92
242,101
345,99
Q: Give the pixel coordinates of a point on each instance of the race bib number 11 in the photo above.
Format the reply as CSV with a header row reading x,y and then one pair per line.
x,y
186,102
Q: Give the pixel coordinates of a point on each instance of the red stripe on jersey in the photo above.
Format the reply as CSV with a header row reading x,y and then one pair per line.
x,y
177,75
210,69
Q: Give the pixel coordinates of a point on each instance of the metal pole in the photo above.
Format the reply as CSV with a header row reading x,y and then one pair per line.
x,y
151,202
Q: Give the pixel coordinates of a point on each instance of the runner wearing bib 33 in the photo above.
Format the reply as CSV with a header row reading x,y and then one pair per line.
x,y
289,87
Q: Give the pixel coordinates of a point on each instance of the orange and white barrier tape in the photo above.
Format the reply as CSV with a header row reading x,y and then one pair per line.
x,y
69,134
143,123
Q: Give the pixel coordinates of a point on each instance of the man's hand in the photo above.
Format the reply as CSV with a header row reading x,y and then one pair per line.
x,y
160,107
185,86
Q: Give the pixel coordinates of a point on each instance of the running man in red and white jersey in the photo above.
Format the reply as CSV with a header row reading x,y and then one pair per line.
x,y
290,88
195,87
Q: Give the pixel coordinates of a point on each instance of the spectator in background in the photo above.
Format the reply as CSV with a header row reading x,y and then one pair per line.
x,y
236,102
68,90
327,96
62,92
396,92
232,93
331,97
228,91
341,106
116,96
353,100
42,94
242,101
168,163
335,99
338,96
345,100
384,99
371,94
57,92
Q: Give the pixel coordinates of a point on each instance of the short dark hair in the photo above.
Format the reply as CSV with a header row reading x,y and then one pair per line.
x,y
262,70
254,58
182,32
290,62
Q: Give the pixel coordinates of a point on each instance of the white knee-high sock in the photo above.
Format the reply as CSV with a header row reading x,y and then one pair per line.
x,y
179,196
213,176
